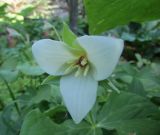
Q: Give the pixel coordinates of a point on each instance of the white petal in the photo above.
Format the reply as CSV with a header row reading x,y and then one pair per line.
x,y
79,94
51,55
103,53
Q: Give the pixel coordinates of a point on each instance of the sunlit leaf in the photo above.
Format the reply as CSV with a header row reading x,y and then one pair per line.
x,y
106,14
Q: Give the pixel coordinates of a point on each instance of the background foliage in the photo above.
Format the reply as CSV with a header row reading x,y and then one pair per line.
x,y
127,103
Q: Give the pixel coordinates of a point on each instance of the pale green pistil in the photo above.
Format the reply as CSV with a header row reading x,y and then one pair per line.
x,y
82,62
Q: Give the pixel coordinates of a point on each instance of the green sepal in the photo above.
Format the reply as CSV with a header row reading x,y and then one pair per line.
x,y
70,38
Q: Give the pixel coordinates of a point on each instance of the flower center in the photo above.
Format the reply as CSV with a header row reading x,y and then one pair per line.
x,y
82,62
80,66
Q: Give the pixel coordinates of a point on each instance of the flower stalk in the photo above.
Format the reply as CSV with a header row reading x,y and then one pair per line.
x,y
12,96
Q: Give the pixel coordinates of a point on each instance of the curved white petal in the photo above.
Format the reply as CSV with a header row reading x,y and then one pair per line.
x,y
79,94
103,53
51,55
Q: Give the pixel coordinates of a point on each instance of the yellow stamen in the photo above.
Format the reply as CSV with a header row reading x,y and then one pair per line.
x,y
84,61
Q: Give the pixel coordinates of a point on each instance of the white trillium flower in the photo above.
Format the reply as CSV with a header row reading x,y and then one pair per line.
x,y
80,70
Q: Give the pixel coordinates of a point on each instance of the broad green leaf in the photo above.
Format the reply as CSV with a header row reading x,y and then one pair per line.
x,y
36,123
136,87
122,110
149,80
106,14
10,63
147,76
9,122
8,75
126,72
4,128
81,129
48,93
43,93
155,68
139,127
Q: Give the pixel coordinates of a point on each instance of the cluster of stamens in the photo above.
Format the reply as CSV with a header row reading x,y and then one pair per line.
x,y
80,66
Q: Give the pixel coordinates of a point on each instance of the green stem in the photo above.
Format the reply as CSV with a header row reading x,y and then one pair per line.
x,y
58,36
12,96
